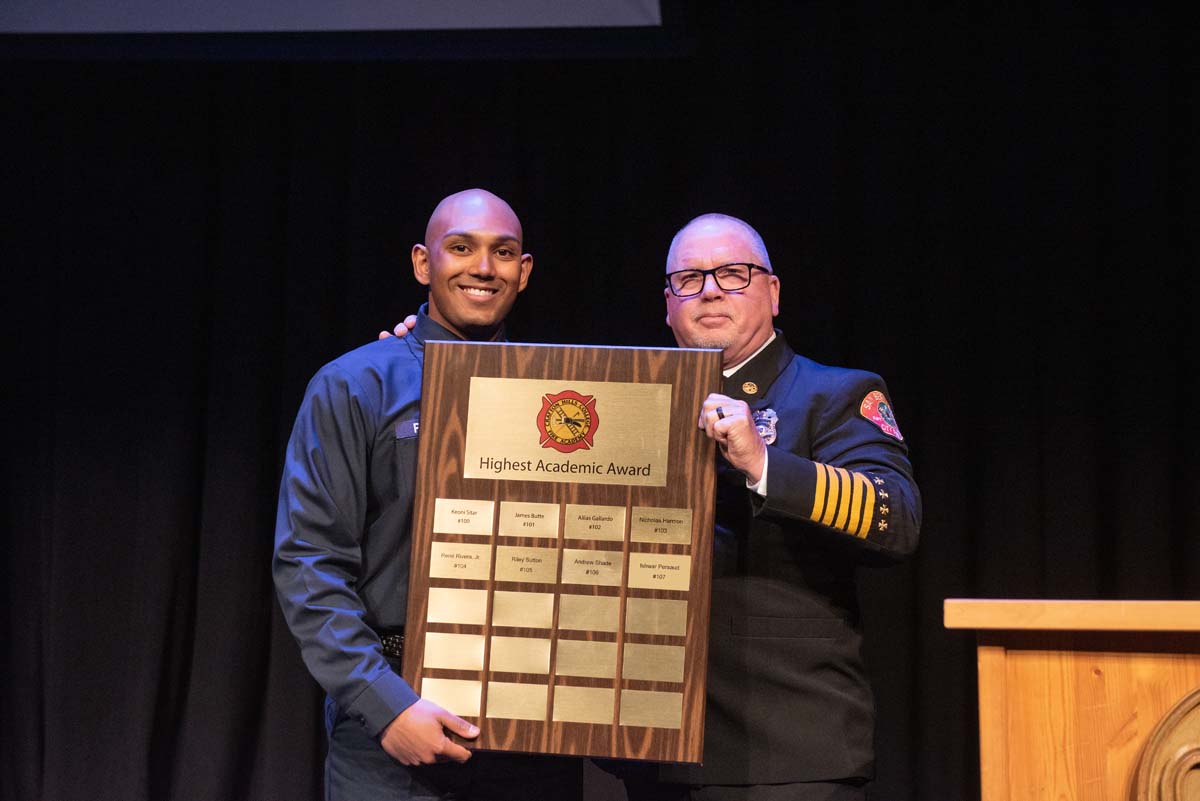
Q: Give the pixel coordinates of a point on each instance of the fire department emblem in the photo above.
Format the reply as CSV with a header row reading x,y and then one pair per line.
x,y
567,421
875,407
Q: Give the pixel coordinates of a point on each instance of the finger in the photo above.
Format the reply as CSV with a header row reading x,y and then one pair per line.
x,y
459,726
453,751
384,334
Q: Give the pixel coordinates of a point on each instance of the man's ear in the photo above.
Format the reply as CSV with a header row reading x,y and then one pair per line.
x,y
667,303
420,262
526,269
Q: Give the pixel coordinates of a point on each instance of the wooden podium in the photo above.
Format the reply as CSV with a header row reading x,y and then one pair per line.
x,y
1071,691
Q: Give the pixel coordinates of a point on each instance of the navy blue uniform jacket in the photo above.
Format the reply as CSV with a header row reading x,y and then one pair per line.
x,y
788,697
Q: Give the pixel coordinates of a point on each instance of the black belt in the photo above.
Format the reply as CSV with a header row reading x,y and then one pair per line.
x,y
393,642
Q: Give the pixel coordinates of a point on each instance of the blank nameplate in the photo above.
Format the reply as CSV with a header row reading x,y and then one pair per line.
x,y
583,704
460,696
534,610
520,655
659,524
660,571
457,606
652,662
460,560
656,616
528,519
597,660
591,567
588,612
453,651
512,701
594,522
657,710
462,516
539,565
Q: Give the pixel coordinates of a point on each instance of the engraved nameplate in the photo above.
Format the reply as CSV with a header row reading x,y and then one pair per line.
x,y
594,522
519,519
539,565
658,524
462,516
660,571
591,567
460,560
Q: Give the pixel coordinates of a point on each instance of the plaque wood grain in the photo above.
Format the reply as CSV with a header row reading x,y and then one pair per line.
x,y
689,484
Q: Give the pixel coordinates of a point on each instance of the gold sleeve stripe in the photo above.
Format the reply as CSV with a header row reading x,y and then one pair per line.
x,y
845,484
868,508
832,501
856,504
819,494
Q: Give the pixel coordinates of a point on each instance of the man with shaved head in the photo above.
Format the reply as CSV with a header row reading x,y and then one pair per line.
x,y
343,531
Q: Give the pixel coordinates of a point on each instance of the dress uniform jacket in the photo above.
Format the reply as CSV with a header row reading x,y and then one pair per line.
x,y
788,697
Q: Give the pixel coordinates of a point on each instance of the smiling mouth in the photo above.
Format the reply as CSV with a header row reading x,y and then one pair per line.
x,y
479,292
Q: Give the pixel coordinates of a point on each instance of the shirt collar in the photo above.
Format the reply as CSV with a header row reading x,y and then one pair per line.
x,y
742,363
428,329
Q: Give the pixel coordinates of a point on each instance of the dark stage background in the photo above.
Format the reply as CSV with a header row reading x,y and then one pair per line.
x,y
996,209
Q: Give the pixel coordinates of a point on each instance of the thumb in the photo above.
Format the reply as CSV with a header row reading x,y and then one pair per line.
x,y
459,726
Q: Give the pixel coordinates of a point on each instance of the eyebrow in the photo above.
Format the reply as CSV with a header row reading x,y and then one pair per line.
x,y
466,234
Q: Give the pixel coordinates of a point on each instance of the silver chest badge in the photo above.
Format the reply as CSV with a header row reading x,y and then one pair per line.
x,y
764,422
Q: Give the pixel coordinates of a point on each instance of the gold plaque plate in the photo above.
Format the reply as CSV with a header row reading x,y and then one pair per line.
x,y
462,516
460,560
656,616
512,701
659,524
660,571
460,696
453,651
539,565
583,704
597,660
652,662
594,522
520,519
457,606
510,433
520,655
534,610
648,708
591,567
588,612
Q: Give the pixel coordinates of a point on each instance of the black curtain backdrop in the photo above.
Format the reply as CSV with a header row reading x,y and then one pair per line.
x,y
996,209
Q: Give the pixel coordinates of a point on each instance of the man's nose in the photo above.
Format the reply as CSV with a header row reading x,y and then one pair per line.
x,y
711,289
485,266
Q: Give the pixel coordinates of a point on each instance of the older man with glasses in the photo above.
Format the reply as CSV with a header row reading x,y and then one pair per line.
x,y
814,481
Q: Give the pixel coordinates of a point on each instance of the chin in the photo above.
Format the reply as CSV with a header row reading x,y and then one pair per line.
x,y
710,341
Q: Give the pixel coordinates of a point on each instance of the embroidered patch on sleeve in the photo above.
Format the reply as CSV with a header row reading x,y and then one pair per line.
x,y
875,407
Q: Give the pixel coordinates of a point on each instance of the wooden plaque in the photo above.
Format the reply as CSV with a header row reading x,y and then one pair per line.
x,y
562,547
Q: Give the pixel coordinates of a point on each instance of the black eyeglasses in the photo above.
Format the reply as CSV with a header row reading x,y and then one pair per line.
x,y
729,277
